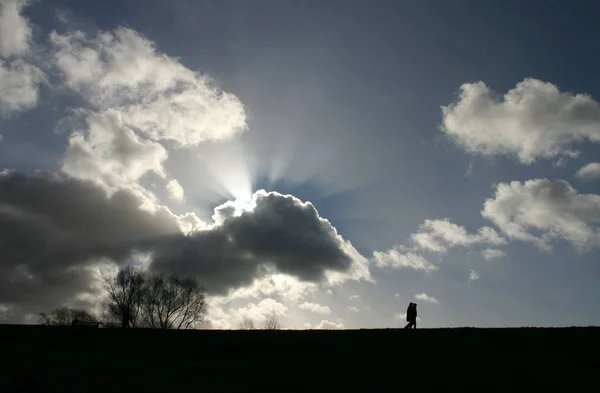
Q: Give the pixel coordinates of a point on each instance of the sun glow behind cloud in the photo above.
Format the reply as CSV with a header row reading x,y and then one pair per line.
x,y
229,171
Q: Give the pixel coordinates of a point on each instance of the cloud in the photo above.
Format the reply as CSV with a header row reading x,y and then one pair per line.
x,y
216,316
274,233
314,307
19,80
54,227
492,253
354,297
434,236
325,324
175,190
439,235
286,286
533,120
149,91
57,215
398,260
352,308
15,32
589,172
137,105
426,298
56,230
258,311
542,210
19,83
473,275
397,296
108,151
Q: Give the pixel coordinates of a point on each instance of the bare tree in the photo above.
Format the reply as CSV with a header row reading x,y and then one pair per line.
x,y
246,323
172,302
125,294
271,322
65,316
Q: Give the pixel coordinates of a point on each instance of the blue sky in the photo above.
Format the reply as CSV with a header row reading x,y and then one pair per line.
x,y
338,104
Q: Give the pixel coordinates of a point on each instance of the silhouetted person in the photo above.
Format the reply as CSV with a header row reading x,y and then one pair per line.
x,y
411,316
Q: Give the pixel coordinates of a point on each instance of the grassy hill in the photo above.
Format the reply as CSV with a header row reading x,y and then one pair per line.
x,y
37,358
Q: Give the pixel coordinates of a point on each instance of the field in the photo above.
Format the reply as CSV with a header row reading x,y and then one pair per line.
x,y
66,359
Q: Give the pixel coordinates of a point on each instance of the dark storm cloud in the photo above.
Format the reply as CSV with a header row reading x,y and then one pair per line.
x,y
280,231
53,227
64,214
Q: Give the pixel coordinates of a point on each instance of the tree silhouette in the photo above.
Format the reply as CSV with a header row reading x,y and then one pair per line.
x,y
125,293
172,302
246,323
64,316
271,322
142,299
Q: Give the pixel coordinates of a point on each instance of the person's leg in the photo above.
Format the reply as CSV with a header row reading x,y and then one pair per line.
x,y
408,325
415,324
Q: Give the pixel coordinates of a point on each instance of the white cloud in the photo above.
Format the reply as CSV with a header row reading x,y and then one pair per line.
x,y
109,151
258,311
397,260
19,80
19,83
325,324
175,190
314,307
492,253
473,275
589,172
533,120
353,308
283,285
426,298
439,235
354,297
397,296
541,210
15,32
136,98
329,292
217,317
434,236
152,92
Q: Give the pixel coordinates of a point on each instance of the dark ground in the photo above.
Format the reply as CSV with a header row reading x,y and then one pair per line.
x,y
66,359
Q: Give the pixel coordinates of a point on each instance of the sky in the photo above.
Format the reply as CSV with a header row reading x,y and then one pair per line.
x,y
329,162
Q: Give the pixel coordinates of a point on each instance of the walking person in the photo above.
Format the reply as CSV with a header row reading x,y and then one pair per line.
x,y
411,316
